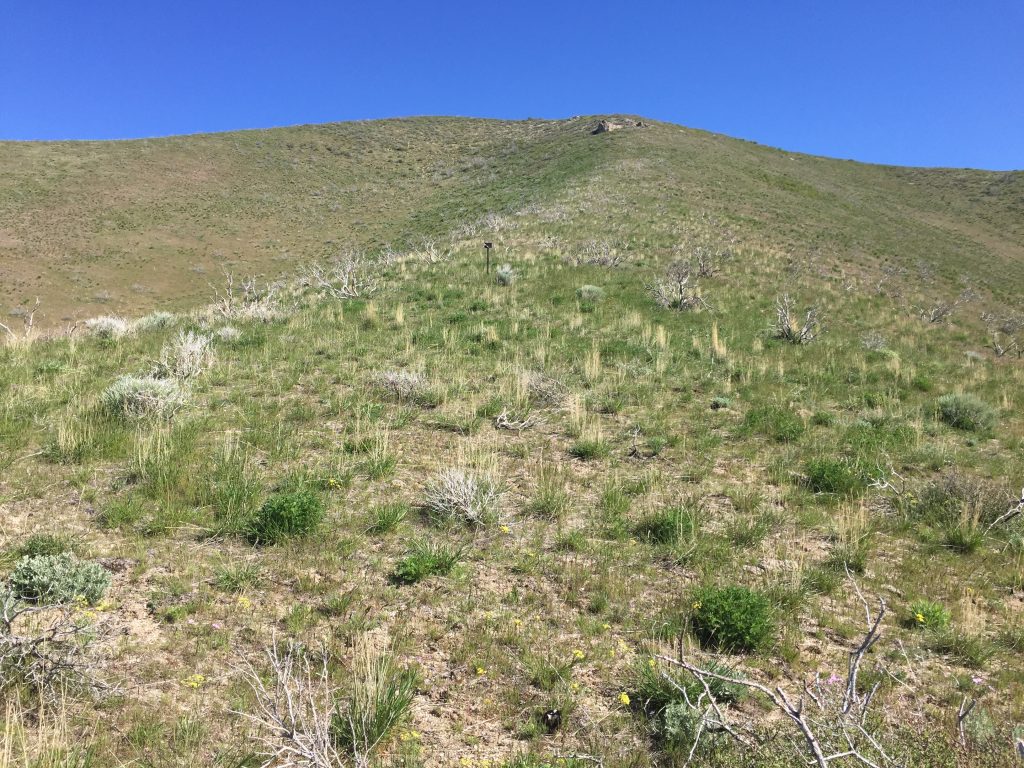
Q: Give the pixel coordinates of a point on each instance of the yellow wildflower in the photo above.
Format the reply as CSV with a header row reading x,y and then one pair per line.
x,y
194,681
920,618
696,605
651,663
624,699
244,602
481,671
579,655
506,529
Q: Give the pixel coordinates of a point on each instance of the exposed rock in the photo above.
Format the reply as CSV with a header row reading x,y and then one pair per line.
x,y
606,126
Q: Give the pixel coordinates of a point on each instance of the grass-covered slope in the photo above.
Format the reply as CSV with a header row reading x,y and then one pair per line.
x,y
488,510
127,226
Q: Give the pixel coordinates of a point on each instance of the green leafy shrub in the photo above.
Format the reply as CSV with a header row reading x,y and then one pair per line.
x,y
720,403
426,558
780,424
835,476
927,614
732,618
58,579
661,691
590,294
967,412
286,514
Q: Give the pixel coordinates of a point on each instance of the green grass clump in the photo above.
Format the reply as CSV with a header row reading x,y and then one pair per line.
x,y
551,500
387,517
285,515
380,699
669,527
835,476
960,508
590,448
45,544
967,412
780,424
927,614
58,579
426,558
732,618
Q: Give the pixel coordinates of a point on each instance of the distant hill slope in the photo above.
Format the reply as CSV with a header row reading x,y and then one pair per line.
x,y
124,226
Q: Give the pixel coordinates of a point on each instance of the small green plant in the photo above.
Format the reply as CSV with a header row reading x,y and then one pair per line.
x,y
238,577
670,526
720,403
732,618
850,553
780,424
927,614
286,514
590,448
551,499
379,462
968,649
967,412
58,579
387,517
834,476
45,544
426,558
121,513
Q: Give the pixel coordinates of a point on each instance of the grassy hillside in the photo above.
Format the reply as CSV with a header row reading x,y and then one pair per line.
x,y
486,519
95,227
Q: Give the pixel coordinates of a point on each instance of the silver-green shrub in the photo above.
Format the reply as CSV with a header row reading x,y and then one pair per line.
x,y
139,397
464,496
58,579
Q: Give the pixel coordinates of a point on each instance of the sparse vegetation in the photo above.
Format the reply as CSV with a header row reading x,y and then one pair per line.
x,y
525,489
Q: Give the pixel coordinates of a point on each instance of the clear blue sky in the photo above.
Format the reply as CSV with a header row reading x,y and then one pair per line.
x,y
913,83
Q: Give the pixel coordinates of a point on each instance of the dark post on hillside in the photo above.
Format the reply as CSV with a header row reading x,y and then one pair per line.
x,y
487,251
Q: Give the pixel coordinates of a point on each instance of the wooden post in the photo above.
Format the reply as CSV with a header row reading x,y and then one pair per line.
x,y
487,250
